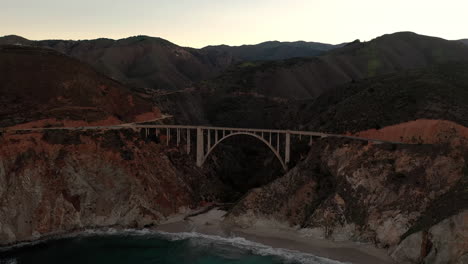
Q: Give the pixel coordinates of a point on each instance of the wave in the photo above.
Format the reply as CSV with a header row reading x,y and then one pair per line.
x,y
290,256
9,261
197,240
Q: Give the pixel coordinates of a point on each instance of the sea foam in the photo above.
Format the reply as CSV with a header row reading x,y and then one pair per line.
x,y
290,256
198,239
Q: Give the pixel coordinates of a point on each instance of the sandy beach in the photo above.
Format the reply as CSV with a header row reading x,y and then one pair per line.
x,y
211,223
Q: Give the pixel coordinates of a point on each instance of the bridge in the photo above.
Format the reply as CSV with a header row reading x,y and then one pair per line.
x,y
208,138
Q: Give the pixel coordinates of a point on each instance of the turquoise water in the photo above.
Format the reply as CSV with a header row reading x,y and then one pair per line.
x,y
157,248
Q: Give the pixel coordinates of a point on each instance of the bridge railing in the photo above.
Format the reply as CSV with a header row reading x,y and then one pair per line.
x,y
252,130
275,131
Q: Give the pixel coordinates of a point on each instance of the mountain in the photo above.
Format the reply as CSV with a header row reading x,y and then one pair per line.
x,y
273,50
15,40
438,92
303,78
408,199
49,88
465,41
153,64
141,62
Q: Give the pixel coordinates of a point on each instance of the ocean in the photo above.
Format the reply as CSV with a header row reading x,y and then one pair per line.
x,y
150,247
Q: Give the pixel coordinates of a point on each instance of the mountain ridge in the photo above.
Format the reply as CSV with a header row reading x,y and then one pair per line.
x,y
274,50
153,64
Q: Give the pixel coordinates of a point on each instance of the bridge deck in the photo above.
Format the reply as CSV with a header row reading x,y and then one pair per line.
x,y
232,129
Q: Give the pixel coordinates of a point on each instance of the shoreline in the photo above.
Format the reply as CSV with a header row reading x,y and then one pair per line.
x,y
211,223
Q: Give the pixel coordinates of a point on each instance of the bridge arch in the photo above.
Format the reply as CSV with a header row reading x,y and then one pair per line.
x,y
276,152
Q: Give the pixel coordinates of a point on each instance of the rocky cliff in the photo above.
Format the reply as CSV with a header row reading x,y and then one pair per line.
x,y
61,181
411,199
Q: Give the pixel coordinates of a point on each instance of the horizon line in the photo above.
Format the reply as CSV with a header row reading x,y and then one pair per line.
x,y
215,45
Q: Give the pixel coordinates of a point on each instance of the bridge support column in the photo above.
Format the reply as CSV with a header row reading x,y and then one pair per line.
x,y
178,136
200,147
209,140
168,136
277,142
287,150
188,141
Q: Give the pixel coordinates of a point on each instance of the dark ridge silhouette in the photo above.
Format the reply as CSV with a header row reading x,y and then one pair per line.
x,y
273,50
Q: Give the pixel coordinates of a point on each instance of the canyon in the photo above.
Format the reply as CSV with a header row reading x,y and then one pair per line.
x,y
410,198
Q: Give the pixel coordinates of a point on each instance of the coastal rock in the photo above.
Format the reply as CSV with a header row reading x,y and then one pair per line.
x,y
370,193
449,239
61,181
463,259
409,250
446,242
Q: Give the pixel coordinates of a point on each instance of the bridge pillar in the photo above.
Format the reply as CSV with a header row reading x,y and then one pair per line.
x,y
178,136
188,141
278,142
287,150
209,140
200,147
168,136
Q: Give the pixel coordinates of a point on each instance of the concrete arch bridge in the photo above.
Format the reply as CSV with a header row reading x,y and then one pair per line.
x,y
208,138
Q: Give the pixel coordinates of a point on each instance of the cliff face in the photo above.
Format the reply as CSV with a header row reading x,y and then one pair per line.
x,y
373,193
62,181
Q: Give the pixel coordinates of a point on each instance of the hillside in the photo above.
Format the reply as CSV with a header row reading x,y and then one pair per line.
x,y
304,78
141,62
273,50
464,41
421,131
49,88
152,64
436,92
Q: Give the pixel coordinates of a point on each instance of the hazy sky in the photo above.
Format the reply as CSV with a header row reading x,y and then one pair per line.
x,y
198,23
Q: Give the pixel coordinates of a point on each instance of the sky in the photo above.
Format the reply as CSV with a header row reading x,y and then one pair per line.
x,y
198,23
